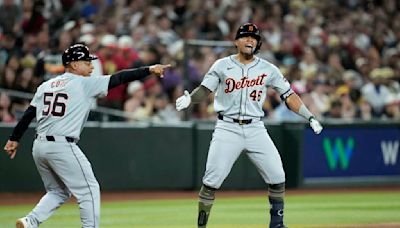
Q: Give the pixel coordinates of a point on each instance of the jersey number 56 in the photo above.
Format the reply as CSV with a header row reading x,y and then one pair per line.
x,y
54,104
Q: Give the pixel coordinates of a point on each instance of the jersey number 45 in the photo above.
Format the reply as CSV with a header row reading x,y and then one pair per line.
x,y
256,95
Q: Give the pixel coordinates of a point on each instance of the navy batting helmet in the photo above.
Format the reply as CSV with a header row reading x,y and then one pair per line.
x,y
250,29
77,52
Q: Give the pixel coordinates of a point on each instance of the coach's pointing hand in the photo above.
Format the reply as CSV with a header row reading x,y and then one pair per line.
x,y
158,69
183,101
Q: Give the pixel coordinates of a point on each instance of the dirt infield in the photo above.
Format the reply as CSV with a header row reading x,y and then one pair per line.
x,y
28,198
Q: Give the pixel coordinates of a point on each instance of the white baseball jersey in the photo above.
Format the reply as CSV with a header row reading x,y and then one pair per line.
x,y
240,90
63,103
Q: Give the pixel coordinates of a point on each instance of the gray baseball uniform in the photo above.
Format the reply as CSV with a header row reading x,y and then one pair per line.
x,y
240,91
62,106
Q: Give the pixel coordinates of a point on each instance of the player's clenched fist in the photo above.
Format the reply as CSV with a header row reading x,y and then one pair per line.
x,y
316,126
183,101
158,69
11,148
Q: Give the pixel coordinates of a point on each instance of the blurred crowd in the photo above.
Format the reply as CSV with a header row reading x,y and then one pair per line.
x,y
341,56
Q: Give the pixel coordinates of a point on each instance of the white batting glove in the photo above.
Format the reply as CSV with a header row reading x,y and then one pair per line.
x,y
315,125
183,101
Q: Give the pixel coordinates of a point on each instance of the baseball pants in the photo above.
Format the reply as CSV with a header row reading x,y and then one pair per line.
x,y
65,169
228,142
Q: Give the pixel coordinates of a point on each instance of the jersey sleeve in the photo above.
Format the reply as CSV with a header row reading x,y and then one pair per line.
x,y
280,84
96,86
211,79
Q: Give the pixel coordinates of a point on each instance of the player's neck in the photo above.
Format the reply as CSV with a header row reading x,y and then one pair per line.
x,y
244,58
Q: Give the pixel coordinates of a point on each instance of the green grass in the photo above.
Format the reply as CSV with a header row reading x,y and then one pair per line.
x,y
302,211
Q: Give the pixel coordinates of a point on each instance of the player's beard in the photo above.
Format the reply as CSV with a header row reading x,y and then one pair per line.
x,y
247,54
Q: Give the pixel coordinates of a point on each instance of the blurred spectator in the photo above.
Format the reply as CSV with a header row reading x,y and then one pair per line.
x,y
335,110
49,62
309,65
320,95
172,78
138,38
33,20
392,107
349,108
376,92
202,111
126,55
10,16
365,110
8,78
7,47
107,55
148,57
335,69
282,113
24,81
6,115
344,53
166,34
91,8
213,27
152,87
133,105
164,110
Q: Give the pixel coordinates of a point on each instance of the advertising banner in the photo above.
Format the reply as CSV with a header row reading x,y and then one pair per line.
x,y
351,152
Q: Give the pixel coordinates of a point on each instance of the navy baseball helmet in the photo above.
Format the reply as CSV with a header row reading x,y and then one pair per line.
x,y
77,52
250,29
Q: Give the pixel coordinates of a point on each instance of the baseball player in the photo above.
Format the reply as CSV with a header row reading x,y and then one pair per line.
x,y
61,107
240,84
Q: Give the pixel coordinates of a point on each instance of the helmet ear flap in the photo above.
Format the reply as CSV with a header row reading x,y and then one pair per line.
x,y
259,43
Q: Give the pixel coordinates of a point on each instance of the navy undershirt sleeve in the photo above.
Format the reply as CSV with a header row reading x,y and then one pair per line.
x,y
19,130
128,75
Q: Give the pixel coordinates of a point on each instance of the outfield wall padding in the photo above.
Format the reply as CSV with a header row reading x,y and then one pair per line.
x,y
173,157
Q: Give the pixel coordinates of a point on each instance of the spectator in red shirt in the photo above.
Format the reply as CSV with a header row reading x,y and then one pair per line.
x,y
126,55
107,55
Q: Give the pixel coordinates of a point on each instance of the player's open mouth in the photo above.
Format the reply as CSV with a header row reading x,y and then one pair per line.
x,y
248,46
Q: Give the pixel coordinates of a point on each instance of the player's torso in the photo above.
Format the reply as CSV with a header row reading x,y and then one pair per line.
x,y
62,107
242,89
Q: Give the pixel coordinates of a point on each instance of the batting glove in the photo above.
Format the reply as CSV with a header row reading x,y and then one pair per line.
x,y
183,101
315,125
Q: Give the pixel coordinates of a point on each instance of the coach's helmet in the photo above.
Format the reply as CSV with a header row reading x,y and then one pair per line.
x,y
76,52
250,29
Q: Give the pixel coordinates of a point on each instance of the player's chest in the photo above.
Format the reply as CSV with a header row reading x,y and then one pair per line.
x,y
236,79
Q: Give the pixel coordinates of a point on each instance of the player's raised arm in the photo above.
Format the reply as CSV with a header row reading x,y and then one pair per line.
x,y
129,75
198,94
295,104
12,144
